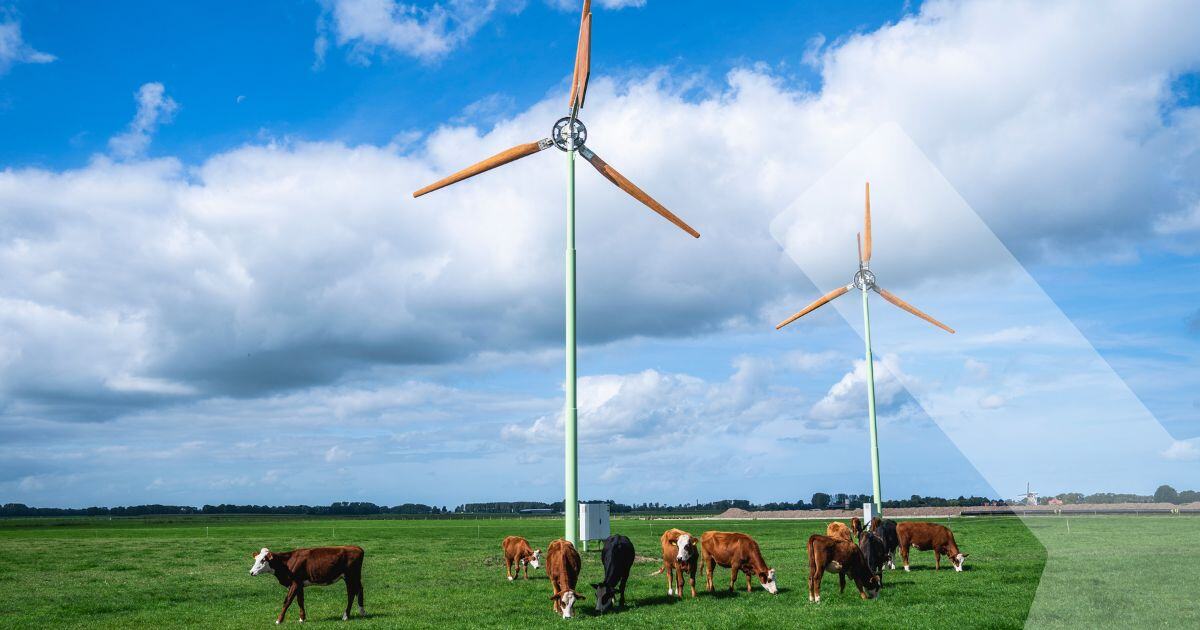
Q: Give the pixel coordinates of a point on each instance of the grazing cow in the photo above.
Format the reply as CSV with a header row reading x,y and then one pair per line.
x,y
856,526
927,536
839,530
319,565
874,552
886,529
617,558
679,556
833,554
738,552
518,553
562,567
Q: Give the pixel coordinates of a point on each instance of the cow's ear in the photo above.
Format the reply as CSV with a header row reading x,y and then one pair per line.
x,y
596,584
270,556
578,596
555,595
966,554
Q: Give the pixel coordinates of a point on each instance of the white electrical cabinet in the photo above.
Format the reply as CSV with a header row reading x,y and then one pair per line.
x,y
593,522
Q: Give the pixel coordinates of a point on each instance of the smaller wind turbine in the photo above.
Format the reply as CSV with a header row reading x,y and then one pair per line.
x,y
864,281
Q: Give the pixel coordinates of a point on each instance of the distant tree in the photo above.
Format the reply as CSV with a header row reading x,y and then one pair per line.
x,y
1166,494
821,500
1070,498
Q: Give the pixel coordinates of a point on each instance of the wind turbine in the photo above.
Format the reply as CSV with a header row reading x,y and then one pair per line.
x,y
864,281
569,135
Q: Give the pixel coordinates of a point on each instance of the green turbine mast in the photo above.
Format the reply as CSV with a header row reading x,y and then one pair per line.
x,y
864,281
569,135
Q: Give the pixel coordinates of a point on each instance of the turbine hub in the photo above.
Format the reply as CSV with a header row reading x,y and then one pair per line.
x,y
568,133
864,279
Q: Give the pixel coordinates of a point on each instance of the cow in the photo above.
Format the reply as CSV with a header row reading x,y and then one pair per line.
x,y
517,552
679,556
856,526
833,554
318,565
874,552
738,552
562,567
929,536
617,558
886,529
839,530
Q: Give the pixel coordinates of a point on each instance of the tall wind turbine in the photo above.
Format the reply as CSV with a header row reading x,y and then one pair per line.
x,y
864,281
569,135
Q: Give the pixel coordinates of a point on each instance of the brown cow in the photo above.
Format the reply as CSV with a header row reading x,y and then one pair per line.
x,y
517,552
833,554
738,552
562,566
856,527
839,530
927,536
319,565
679,556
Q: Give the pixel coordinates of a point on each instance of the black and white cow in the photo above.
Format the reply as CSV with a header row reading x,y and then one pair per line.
x,y
617,558
886,529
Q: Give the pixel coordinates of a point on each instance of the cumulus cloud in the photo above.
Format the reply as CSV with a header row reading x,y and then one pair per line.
x,y
845,404
1182,451
425,33
154,108
14,50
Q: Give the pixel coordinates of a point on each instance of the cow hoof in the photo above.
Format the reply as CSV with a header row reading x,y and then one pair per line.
x,y
277,622
818,599
362,612
345,617
906,568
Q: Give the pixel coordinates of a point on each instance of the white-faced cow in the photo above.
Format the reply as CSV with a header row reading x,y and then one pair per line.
x,y
617,558
321,566
841,556
518,553
562,567
926,537
679,556
738,552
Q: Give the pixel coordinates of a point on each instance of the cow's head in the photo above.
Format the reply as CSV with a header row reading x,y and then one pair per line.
x,y
262,562
957,559
566,602
686,547
605,595
768,581
536,560
871,588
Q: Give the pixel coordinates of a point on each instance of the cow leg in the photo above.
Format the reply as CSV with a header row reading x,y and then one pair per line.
x,y
526,570
362,610
841,582
670,571
709,564
733,571
351,589
748,589
508,569
300,601
816,586
623,581
904,555
937,560
287,601
692,575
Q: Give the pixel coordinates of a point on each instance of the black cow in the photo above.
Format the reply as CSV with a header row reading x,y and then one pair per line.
x,y
617,558
875,552
886,529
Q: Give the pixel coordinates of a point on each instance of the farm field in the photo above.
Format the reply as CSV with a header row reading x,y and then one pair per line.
x,y
147,572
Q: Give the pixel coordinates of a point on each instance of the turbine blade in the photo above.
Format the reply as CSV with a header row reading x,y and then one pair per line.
x,y
821,301
583,60
613,176
889,296
500,159
865,252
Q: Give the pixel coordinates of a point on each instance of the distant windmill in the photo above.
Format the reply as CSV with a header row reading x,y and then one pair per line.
x,y
864,281
569,135
1029,498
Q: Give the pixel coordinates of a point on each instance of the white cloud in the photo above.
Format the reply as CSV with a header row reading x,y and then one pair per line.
x,y
14,50
846,402
422,32
1182,451
991,401
154,108
336,453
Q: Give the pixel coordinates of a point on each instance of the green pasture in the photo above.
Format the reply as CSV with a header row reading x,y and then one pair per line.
x,y
449,573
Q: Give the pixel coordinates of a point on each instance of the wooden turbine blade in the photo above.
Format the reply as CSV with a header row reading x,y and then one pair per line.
x,y
821,301
621,182
500,159
583,60
889,296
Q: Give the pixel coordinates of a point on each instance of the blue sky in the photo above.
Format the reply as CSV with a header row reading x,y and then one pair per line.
x,y
220,289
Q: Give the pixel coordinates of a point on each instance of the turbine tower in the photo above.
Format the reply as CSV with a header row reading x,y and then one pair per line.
x,y
864,281
569,135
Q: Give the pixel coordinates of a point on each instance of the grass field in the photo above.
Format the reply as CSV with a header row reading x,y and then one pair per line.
x,y
137,573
